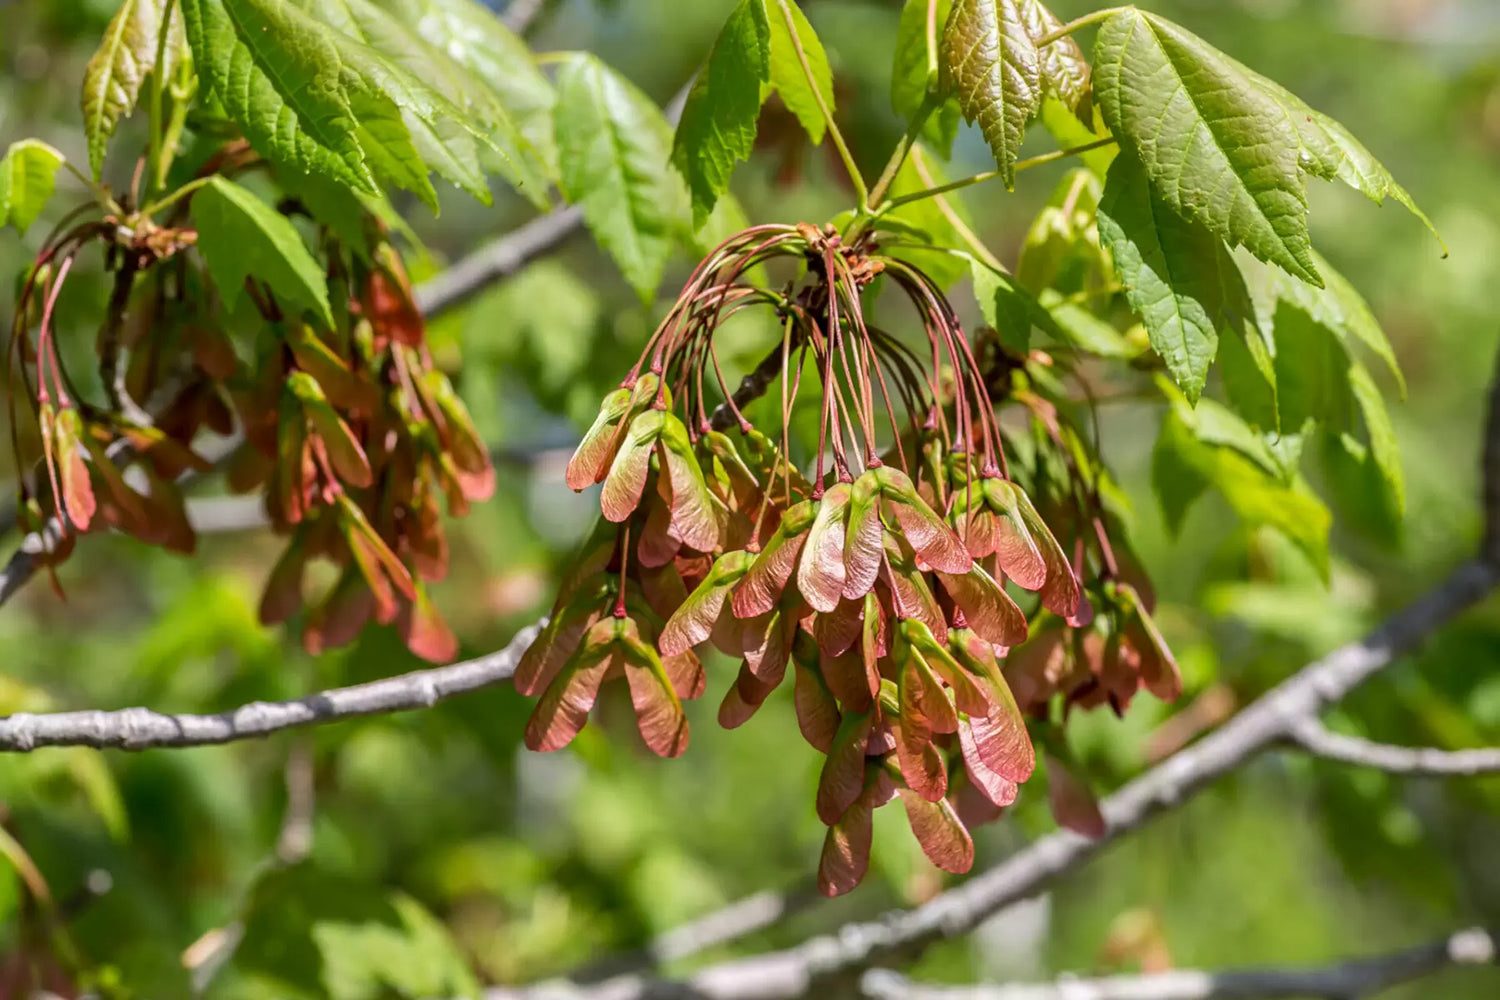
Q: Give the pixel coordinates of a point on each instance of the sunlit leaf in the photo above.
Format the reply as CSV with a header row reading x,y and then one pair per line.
x,y
1214,145
613,144
991,64
28,176
787,74
717,128
1178,276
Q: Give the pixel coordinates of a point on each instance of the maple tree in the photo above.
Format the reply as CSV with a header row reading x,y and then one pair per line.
x,y
912,517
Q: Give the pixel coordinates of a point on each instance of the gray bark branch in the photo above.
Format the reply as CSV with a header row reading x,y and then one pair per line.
x,y
143,728
1351,980
1320,741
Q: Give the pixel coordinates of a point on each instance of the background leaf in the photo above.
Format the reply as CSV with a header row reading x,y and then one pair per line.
x,y
28,176
787,75
718,121
613,145
1184,468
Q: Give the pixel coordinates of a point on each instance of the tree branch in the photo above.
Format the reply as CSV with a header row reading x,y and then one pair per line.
x,y
1320,741
497,259
142,728
731,923
1352,980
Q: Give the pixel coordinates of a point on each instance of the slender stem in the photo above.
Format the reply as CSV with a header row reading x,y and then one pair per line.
x,y
1082,22
176,196
172,139
989,175
101,196
154,169
930,104
975,244
932,40
855,177
931,101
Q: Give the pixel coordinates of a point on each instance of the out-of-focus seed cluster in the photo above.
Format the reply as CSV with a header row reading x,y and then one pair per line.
x,y
356,440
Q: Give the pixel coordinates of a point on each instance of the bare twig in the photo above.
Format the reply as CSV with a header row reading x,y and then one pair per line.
x,y
141,728
1317,739
1352,980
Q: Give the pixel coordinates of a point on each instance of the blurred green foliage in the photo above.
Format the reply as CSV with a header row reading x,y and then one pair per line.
x,y
442,853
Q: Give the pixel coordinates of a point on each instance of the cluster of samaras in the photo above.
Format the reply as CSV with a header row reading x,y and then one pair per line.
x,y
358,443
351,433
878,581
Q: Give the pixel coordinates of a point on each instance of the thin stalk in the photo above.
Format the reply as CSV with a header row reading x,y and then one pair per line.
x,y
887,176
1082,22
101,196
855,177
176,196
172,139
932,38
158,88
930,103
989,175
970,238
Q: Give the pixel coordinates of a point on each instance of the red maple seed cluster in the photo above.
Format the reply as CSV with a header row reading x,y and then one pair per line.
x,y
356,440
359,443
878,579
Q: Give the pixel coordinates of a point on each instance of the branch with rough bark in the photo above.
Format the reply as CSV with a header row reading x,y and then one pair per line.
x,y
1320,741
143,728
1351,980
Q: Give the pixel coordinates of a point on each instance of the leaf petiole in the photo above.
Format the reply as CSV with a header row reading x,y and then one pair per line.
x,y
980,178
855,177
103,197
1074,25
975,244
176,196
155,170
930,103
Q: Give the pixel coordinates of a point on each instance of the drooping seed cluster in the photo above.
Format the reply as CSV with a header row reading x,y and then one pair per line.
x,y
355,439
877,580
